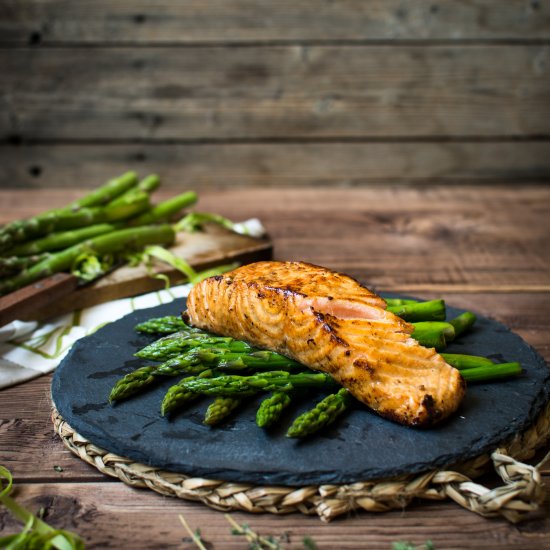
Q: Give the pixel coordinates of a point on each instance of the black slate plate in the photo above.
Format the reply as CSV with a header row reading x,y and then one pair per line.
x,y
362,446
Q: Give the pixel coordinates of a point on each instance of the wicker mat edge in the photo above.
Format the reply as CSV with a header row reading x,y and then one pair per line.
x,y
519,496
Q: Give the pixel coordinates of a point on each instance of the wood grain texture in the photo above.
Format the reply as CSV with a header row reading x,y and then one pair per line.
x,y
290,165
146,520
167,93
173,21
393,238
24,302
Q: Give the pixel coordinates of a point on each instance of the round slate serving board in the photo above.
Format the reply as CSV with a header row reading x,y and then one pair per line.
x,y
360,447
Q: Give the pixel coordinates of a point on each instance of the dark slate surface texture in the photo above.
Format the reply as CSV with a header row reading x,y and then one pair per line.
x,y
361,446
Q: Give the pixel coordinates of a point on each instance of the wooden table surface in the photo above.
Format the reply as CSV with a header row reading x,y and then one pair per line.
x,y
482,248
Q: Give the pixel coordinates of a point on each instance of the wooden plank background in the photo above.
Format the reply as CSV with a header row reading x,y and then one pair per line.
x,y
275,93
233,21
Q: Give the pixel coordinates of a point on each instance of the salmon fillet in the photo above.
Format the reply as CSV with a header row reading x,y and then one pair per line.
x,y
331,323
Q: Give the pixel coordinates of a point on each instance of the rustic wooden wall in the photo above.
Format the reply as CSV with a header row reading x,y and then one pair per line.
x,y
275,92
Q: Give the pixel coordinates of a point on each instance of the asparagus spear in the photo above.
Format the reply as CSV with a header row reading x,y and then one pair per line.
x,y
433,334
145,186
60,240
463,323
103,244
233,356
271,408
149,183
178,396
491,373
46,222
12,265
257,359
107,192
434,310
267,381
393,302
133,383
165,210
323,414
220,409
460,361
195,361
163,325
481,369
178,343
192,362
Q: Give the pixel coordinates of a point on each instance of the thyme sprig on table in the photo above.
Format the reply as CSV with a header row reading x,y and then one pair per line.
x,y
255,540
277,542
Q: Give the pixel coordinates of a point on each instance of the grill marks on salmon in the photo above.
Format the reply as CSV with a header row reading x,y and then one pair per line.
x,y
330,323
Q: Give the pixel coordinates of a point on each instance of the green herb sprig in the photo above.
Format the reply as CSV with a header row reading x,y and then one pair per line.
x,y
36,533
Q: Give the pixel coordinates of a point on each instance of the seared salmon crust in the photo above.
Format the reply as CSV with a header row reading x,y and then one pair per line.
x,y
331,323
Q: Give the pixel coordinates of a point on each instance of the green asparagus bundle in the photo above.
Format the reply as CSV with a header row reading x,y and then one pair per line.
x,y
74,232
116,241
65,219
23,230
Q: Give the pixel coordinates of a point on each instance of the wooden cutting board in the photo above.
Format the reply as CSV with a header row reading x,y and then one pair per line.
x,y
60,293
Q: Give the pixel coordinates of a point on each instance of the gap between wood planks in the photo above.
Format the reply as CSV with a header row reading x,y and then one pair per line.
x,y
15,140
346,43
472,289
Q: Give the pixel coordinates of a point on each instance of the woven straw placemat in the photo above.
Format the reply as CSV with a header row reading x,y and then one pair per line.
x,y
520,495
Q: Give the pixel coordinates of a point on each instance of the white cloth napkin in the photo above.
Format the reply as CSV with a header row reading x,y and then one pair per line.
x,y
28,350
